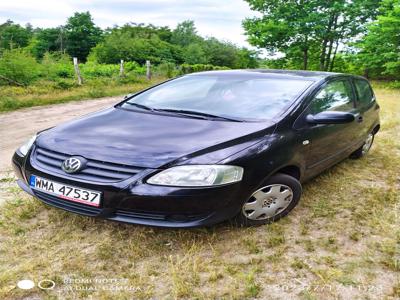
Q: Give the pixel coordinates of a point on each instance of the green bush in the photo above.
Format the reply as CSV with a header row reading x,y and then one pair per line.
x,y
166,69
95,70
19,66
131,66
391,84
57,65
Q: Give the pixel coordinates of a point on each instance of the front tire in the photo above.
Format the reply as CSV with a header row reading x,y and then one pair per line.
x,y
275,198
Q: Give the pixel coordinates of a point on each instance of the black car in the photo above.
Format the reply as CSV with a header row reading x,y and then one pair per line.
x,y
202,148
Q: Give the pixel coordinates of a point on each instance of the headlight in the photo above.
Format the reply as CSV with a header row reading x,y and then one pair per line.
x,y
24,149
198,175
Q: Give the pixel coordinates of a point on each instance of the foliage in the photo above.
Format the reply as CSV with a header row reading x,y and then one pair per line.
x,y
14,35
48,40
167,69
194,54
185,34
380,47
351,36
139,43
298,28
121,45
82,35
134,43
57,65
93,70
19,66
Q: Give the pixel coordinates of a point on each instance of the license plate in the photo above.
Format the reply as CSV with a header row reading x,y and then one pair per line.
x,y
66,192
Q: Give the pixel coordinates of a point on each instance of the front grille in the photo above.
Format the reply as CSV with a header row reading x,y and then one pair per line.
x,y
140,215
68,205
158,216
95,170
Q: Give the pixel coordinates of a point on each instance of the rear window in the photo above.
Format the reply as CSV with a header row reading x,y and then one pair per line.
x,y
364,91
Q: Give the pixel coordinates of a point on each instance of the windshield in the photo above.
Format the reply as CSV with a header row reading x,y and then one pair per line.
x,y
245,97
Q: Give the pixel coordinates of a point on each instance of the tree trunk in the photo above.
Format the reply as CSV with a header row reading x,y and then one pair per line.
x,y
11,81
331,41
305,58
325,42
328,55
334,56
305,53
323,54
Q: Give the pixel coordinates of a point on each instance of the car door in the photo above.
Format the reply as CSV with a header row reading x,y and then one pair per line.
x,y
326,144
366,107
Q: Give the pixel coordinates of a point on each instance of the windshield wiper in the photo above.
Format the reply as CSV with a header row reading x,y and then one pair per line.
x,y
140,105
194,113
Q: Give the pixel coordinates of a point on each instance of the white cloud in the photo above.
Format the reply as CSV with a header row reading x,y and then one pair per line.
x,y
221,19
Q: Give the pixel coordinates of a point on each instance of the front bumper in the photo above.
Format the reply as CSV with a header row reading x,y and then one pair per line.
x,y
137,202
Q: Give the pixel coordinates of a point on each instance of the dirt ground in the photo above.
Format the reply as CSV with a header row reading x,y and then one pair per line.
x,y
17,126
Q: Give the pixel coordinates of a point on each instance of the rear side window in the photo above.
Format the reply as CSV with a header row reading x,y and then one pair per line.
x,y
335,96
364,92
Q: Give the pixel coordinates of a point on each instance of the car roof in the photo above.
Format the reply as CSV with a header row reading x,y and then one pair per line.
x,y
289,74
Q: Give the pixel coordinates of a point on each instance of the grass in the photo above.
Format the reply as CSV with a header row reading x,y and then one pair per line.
x,y
48,92
341,242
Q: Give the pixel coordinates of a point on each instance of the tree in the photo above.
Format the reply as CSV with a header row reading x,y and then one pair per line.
x,y
247,59
14,35
185,33
380,47
121,45
294,27
81,34
139,42
48,40
194,54
220,53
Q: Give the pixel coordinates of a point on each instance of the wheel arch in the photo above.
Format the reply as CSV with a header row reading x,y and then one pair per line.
x,y
291,170
376,128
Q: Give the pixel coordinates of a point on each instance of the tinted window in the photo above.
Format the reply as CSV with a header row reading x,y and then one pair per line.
x,y
336,95
364,91
247,97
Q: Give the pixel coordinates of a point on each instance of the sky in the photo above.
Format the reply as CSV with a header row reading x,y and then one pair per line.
x,y
218,18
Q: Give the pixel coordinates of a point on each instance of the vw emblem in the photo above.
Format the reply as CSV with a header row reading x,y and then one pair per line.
x,y
72,165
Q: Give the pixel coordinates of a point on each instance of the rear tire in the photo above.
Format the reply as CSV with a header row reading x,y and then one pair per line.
x,y
364,149
274,199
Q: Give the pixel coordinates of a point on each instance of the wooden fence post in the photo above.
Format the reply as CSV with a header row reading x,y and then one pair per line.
x,y
148,71
121,68
77,72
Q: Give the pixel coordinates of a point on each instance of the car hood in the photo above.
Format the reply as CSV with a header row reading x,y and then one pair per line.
x,y
145,139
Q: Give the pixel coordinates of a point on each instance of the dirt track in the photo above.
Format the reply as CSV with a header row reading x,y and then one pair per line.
x,y
17,126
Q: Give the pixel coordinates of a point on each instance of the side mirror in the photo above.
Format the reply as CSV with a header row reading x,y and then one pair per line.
x,y
330,117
